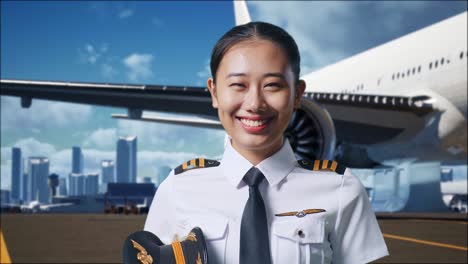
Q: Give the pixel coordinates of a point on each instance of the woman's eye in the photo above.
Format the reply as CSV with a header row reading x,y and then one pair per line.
x,y
274,85
237,85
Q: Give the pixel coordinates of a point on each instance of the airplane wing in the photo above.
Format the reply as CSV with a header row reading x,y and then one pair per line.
x,y
174,99
372,119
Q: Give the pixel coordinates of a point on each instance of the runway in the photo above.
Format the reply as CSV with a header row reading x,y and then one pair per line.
x,y
97,238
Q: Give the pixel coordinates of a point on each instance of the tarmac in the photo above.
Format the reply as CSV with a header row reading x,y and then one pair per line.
x,y
97,238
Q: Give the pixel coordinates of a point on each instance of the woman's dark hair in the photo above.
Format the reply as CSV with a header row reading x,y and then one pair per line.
x,y
256,31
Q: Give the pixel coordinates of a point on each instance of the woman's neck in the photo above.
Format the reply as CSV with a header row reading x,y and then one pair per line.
x,y
257,155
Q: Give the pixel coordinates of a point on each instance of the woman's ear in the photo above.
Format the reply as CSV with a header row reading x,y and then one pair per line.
x,y
212,88
301,86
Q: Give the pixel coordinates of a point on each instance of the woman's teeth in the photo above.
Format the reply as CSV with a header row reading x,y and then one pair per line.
x,y
252,123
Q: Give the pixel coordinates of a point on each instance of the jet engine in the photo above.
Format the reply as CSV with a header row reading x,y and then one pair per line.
x,y
311,132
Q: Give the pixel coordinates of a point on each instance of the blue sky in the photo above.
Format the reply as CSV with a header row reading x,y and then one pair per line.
x,y
160,43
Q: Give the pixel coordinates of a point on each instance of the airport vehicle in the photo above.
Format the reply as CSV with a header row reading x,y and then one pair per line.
x,y
396,105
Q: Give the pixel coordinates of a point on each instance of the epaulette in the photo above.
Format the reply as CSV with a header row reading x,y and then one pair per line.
x,y
195,164
329,165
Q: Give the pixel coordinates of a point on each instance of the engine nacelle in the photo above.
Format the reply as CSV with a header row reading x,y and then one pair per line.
x,y
311,132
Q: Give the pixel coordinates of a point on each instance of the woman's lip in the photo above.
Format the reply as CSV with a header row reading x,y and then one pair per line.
x,y
254,129
254,118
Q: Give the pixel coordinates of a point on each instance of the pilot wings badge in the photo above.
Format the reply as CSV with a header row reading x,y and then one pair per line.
x,y
302,213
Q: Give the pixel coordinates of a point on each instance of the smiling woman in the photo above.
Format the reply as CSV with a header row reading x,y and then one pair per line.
x,y
259,204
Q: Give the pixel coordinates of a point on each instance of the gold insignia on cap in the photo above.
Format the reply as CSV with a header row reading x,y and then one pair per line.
x,y
302,213
192,237
142,256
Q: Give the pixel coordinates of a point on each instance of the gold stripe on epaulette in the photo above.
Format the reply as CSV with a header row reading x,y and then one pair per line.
x,y
192,162
324,164
184,166
334,165
316,165
178,252
201,161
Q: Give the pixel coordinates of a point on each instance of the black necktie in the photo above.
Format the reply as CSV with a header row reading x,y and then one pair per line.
x,y
254,241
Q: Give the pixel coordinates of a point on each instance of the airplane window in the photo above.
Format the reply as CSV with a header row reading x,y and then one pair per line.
x,y
461,55
408,72
403,75
393,76
436,63
419,68
430,65
442,61
398,75
414,70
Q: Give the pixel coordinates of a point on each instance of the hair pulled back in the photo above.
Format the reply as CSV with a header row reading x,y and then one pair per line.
x,y
256,31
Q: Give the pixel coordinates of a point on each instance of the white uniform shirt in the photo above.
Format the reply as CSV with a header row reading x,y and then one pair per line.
x,y
214,199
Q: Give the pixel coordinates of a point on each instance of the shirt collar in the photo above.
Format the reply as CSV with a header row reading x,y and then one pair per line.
x,y
275,168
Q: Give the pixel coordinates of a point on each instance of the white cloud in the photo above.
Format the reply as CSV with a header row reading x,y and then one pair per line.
x,y
139,66
41,114
102,139
92,54
33,147
332,30
126,13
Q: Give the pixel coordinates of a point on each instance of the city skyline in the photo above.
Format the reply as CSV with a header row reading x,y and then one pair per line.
x,y
33,183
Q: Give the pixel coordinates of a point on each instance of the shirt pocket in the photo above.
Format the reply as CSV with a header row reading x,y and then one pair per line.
x,y
215,231
298,240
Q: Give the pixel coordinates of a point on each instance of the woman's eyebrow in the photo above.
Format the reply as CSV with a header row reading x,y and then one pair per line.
x,y
274,74
235,74
270,74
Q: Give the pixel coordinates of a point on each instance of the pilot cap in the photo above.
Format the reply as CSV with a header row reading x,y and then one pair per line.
x,y
144,247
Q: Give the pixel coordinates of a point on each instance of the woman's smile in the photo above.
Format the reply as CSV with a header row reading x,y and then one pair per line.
x,y
254,124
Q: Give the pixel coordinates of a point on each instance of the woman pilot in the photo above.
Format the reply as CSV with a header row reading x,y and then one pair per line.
x,y
258,204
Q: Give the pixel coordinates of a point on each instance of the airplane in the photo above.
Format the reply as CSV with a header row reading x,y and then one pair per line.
x,y
402,105
32,207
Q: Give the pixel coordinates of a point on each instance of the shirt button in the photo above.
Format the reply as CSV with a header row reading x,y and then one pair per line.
x,y
301,234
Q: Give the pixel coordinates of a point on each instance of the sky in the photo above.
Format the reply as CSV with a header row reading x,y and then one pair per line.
x,y
160,43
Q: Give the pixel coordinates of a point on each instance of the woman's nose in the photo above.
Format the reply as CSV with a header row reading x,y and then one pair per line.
x,y
254,100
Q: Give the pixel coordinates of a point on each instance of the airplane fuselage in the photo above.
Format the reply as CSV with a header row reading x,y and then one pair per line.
x,y
430,62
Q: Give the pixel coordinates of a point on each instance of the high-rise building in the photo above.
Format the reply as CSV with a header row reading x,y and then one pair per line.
x,y
38,184
92,184
63,187
77,160
107,171
77,184
126,160
5,196
24,191
17,179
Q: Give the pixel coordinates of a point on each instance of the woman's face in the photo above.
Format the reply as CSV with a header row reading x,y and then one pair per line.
x,y
255,95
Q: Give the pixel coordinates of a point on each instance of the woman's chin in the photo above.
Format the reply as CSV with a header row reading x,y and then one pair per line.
x,y
256,142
